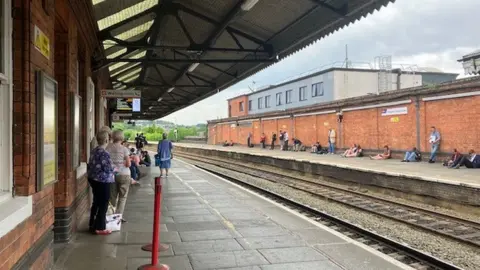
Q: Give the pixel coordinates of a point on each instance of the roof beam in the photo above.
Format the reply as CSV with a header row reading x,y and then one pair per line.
x,y
342,11
191,75
190,61
139,45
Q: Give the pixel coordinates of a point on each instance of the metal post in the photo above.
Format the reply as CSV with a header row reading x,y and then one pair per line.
x,y
155,246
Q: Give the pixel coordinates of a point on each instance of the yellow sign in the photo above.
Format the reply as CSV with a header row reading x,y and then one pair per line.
x,y
42,42
395,119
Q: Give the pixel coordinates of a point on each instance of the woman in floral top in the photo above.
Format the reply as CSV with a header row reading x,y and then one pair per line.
x,y
100,176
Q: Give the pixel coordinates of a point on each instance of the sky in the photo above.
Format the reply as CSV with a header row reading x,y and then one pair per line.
x,y
425,33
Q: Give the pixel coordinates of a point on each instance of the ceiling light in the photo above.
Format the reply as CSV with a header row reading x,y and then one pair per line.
x,y
170,89
151,107
248,4
193,67
160,99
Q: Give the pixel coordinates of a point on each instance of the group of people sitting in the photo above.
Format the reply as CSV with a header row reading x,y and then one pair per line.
x,y
457,160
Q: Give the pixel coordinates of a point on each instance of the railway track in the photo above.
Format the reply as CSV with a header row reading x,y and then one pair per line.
x,y
401,252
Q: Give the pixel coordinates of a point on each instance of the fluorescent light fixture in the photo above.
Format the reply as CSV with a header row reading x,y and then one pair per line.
x,y
248,4
170,89
193,67
151,107
160,99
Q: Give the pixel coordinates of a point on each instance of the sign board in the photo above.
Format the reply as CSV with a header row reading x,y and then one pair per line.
x,y
128,104
42,42
121,93
395,119
395,111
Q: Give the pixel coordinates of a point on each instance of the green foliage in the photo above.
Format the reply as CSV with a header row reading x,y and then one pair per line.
x,y
182,132
129,134
154,133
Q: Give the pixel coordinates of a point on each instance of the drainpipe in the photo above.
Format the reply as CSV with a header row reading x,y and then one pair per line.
x,y
417,120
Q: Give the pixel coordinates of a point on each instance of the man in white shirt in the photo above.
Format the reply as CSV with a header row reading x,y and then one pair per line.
x,y
331,141
285,141
435,144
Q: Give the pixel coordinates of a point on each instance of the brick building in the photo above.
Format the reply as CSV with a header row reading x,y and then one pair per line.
x,y
400,119
50,52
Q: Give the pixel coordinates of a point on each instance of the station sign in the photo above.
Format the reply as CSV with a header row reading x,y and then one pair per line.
x,y
121,93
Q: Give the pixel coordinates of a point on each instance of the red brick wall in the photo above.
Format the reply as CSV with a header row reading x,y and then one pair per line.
x,y
62,66
257,132
235,106
455,118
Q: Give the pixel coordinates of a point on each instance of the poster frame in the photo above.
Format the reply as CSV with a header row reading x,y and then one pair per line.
x,y
41,79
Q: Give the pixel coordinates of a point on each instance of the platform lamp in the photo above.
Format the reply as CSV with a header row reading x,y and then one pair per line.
x,y
340,116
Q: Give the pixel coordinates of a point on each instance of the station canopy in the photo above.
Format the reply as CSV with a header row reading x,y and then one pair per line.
x,y
178,52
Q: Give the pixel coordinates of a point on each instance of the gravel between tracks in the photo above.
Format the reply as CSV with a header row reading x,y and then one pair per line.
x,y
462,255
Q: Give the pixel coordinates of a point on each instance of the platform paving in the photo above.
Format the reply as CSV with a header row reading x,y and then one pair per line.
x,y
421,170
210,223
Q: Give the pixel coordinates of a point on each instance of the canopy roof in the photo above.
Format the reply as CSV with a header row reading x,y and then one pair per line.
x,y
178,52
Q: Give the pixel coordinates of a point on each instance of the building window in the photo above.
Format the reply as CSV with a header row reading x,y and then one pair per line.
x,y
288,96
317,89
249,105
302,93
279,99
5,99
267,102
260,102
240,106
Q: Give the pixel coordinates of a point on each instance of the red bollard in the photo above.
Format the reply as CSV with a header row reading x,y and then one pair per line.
x,y
154,247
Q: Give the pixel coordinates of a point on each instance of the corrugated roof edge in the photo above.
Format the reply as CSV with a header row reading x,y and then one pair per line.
x,y
467,83
366,10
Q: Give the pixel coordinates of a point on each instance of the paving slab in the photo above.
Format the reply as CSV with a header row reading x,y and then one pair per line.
x,y
206,235
226,259
209,246
195,226
279,241
320,265
292,254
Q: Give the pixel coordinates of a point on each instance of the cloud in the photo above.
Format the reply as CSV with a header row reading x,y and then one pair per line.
x,y
427,33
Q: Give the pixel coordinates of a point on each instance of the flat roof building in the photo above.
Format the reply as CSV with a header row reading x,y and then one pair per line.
x,y
331,84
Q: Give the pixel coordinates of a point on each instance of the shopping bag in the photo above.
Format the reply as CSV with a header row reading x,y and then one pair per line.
x,y
114,222
157,160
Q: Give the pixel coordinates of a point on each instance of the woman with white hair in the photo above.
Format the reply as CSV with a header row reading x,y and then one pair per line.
x,y
121,161
100,177
93,142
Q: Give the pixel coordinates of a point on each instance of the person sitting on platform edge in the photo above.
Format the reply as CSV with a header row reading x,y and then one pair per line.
x,y
456,156
100,177
387,154
435,142
470,161
164,151
412,156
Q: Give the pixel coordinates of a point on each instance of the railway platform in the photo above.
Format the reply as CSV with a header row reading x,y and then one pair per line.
x,y
210,223
423,179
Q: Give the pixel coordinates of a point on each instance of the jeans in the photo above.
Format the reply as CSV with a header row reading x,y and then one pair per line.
x,y
410,156
98,212
119,190
433,153
331,147
145,163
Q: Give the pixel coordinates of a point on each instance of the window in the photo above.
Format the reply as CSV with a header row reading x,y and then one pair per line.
x,y
240,106
260,102
267,102
279,99
302,93
5,98
317,89
288,96
249,105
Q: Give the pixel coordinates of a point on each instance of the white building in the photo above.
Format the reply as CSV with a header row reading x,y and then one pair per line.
x,y
338,83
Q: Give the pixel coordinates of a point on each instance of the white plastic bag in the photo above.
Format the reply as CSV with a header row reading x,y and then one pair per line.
x,y
114,222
